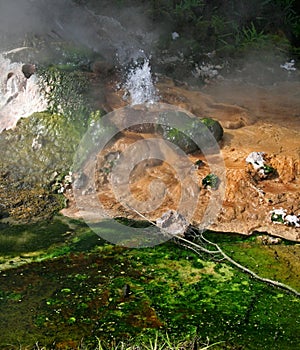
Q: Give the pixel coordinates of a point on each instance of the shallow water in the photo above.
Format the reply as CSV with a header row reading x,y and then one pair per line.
x,y
72,290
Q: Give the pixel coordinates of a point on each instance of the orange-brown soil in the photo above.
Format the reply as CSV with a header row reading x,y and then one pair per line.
x,y
255,119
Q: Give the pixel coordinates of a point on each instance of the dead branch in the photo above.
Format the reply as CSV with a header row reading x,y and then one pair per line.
x,y
198,249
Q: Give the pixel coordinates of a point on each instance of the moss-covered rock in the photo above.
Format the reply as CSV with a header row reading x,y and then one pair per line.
x,y
40,148
21,203
65,92
214,127
193,134
212,181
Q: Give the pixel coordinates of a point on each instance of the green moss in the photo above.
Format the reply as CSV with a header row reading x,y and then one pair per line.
x,y
278,262
23,239
191,133
56,140
171,290
268,170
212,181
277,218
98,131
65,92
40,148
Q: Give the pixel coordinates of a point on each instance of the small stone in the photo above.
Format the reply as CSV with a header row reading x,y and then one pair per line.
x,y
199,164
175,35
173,222
28,70
256,159
80,180
212,181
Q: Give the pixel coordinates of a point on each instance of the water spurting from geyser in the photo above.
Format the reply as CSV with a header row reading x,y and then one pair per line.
x,y
119,42
139,83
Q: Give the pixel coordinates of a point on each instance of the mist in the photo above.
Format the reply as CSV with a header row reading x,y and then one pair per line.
x,y
118,35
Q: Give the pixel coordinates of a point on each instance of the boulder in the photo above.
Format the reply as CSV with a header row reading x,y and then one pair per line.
x,y
198,134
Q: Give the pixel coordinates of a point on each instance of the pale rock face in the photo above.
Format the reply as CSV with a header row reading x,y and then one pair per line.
x,y
19,96
256,159
293,220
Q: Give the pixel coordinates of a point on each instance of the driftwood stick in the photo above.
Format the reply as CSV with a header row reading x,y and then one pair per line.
x,y
250,272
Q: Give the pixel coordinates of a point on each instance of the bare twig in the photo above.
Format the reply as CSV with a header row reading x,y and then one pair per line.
x,y
197,248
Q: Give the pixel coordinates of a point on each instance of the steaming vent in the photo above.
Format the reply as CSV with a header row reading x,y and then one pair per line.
x,y
20,94
139,83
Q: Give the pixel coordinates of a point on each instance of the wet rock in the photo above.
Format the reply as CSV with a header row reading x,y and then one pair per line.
x,y
214,127
247,203
46,145
80,180
173,222
280,216
269,240
199,134
26,203
261,170
199,164
33,155
102,68
212,181
28,70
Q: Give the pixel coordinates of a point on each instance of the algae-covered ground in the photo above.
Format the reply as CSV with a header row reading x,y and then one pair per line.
x,y
61,286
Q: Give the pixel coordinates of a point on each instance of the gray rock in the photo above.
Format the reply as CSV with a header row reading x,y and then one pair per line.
x,y
173,222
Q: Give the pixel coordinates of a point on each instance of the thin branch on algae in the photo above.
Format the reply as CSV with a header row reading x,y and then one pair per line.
x,y
199,249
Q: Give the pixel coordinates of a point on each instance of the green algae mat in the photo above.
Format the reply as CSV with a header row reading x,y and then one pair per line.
x,y
61,286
